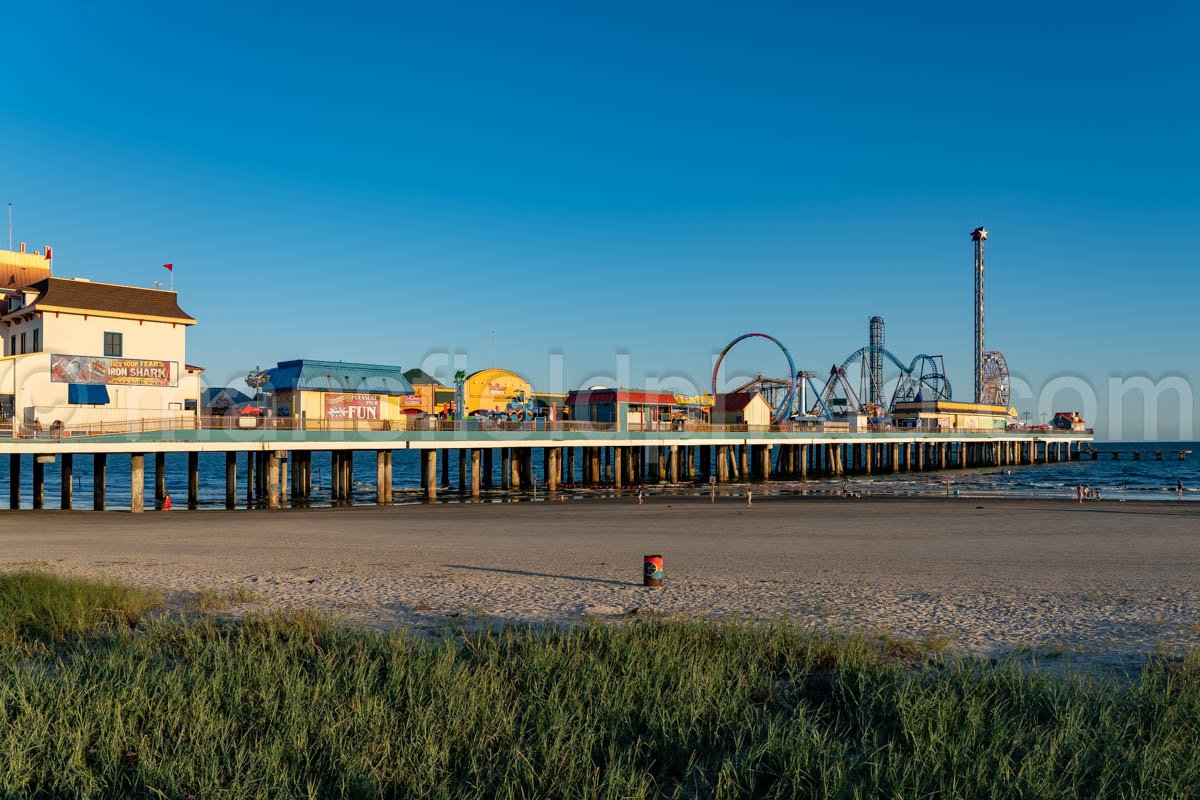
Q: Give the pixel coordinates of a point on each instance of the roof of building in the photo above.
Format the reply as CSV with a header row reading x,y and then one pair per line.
x,y
22,269
419,377
337,376
642,396
106,299
234,396
735,401
493,374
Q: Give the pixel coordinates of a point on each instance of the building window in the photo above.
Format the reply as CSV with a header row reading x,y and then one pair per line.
x,y
112,345
22,343
36,336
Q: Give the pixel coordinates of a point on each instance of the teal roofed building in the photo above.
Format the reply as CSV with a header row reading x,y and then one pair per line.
x,y
337,390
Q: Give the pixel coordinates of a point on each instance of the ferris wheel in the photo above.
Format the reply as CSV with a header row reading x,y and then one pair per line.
x,y
997,386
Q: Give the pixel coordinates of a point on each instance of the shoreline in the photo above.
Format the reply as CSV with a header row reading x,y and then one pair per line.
x,y
1100,580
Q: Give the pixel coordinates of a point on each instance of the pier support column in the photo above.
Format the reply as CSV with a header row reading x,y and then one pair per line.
x,y
487,468
160,480
571,465
744,461
14,481
430,457
673,463
803,462
446,467
462,469
335,477
514,469
250,479
722,464
137,482
297,459
705,461
381,480
476,457
619,467
99,480
67,488
272,477
231,481
39,483
193,482
553,469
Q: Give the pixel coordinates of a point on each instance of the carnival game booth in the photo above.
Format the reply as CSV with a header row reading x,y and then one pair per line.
x,y
338,395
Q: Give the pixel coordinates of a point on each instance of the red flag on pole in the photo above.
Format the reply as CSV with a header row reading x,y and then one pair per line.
x,y
169,267
49,253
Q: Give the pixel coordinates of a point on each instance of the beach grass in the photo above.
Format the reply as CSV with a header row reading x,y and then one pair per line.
x,y
101,699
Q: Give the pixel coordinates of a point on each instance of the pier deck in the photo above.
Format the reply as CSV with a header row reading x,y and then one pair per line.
x,y
617,458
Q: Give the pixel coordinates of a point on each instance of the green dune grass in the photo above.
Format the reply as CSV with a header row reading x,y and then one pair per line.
x,y
100,699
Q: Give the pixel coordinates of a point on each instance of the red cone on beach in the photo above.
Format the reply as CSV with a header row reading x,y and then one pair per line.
x,y
167,502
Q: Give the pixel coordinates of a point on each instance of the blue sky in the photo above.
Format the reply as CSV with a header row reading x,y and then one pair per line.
x,y
386,182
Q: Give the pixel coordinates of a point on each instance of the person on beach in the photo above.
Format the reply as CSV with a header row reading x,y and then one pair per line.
x,y
1079,493
1179,489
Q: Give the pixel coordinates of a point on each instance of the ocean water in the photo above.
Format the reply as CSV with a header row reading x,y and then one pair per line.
x,y
1124,479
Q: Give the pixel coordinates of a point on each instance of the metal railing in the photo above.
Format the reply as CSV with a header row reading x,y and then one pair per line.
x,y
233,422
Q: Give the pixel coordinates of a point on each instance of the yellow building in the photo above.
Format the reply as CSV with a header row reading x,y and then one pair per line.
x,y
424,396
943,415
742,408
493,389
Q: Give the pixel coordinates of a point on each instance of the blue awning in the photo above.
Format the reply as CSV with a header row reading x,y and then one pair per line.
x,y
86,394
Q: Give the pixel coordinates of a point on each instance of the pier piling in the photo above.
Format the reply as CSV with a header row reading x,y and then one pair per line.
x,y
137,482
67,485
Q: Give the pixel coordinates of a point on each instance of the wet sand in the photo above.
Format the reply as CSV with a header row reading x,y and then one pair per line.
x,y
1106,579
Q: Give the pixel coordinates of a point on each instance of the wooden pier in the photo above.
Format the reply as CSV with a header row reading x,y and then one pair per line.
x,y
278,463
1134,455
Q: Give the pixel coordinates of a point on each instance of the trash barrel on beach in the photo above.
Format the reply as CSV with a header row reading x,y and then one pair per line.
x,y
652,573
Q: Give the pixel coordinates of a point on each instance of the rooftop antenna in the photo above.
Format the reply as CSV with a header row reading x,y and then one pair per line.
x,y
158,284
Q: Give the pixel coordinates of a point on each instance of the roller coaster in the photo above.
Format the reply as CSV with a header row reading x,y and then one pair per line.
x,y
923,378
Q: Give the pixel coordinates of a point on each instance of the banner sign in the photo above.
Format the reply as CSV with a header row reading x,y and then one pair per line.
x,y
351,406
112,371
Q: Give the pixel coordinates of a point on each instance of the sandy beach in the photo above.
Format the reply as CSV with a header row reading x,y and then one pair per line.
x,y
1101,579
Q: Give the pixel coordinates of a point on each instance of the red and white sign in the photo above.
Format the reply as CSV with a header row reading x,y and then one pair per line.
x,y
351,406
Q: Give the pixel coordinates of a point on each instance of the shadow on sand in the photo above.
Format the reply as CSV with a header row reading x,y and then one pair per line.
x,y
530,574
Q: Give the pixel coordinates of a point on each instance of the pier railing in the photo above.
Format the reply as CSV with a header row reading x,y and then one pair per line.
x,y
436,424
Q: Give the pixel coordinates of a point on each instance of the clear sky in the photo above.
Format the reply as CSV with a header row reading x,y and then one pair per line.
x,y
385,183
